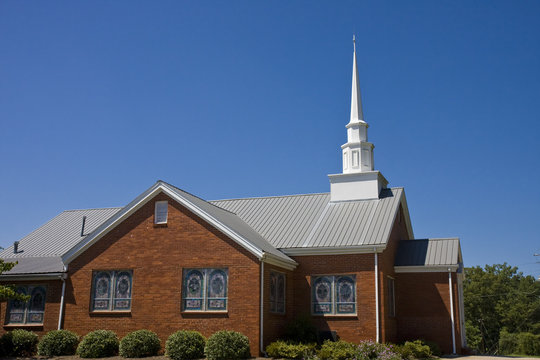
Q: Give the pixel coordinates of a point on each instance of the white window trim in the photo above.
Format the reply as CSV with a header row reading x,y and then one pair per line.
x,y
158,203
278,273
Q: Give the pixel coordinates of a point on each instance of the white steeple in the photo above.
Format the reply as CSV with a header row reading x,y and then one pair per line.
x,y
358,180
357,152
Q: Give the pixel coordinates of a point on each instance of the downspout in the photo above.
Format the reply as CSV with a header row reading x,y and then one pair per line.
x,y
452,310
61,315
377,325
262,308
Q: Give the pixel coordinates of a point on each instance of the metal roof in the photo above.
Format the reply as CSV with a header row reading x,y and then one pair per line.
x,y
60,234
233,222
35,265
306,221
428,252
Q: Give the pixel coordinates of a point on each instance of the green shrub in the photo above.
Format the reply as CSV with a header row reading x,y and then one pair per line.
x,y
227,345
369,350
337,350
98,344
286,350
508,343
301,330
183,345
528,344
20,343
433,346
140,343
58,343
414,350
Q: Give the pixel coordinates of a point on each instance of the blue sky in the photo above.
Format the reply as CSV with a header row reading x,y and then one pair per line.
x,y
228,99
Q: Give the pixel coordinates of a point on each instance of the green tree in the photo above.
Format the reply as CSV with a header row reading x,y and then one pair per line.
x,y
497,297
8,291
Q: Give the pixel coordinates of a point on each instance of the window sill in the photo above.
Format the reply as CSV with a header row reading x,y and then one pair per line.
x,y
336,315
23,325
111,313
204,313
160,225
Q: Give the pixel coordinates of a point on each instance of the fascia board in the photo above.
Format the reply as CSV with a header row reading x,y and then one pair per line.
x,y
139,202
427,268
48,276
367,249
274,260
408,223
111,223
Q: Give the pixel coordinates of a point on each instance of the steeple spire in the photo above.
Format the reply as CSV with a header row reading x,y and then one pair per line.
x,y
356,97
359,180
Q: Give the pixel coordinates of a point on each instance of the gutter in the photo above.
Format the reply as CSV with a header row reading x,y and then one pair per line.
x,y
44,276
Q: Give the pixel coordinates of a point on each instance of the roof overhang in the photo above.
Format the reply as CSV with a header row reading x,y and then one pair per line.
x,y
32,277
138,202
274,260
367,249
426,268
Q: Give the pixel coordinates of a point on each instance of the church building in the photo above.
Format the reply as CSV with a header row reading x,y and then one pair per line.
x,y
170,260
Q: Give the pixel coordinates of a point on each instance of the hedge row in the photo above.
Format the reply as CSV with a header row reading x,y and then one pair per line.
x,y
342,350
181,345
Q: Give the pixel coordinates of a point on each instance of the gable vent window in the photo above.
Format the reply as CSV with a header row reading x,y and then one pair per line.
x,y
161,212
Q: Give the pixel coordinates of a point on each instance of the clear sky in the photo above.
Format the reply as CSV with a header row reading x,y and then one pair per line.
x,y
226,99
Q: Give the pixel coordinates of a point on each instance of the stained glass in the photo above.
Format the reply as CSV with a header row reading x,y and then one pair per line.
x,y
102,286
31,311
277,292
123,285
322,292
334,295
194,281
217,282
205,289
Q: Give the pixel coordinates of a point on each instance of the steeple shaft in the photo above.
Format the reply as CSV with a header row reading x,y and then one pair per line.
x,y
356,97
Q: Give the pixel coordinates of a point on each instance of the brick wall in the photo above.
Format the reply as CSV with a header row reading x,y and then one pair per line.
x,y
349,328
386,268
423,304
157,254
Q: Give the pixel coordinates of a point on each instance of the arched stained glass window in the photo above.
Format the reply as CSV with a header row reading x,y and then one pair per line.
x,y
205,290
17,308
102,291
277,292
217,290
322,295
122,290
345,299
193,290
31,311
36,307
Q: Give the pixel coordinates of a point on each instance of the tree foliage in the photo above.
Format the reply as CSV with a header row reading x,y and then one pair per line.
x,y
499,297
8,291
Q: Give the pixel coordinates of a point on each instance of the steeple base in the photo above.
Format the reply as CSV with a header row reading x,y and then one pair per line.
x,y
365,185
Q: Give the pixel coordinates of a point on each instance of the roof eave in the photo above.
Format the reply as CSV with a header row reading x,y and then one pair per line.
x,y
334,250
426,268
35,276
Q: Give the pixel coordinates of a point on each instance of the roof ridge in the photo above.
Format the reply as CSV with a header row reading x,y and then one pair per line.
x,y
104,208
270,197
